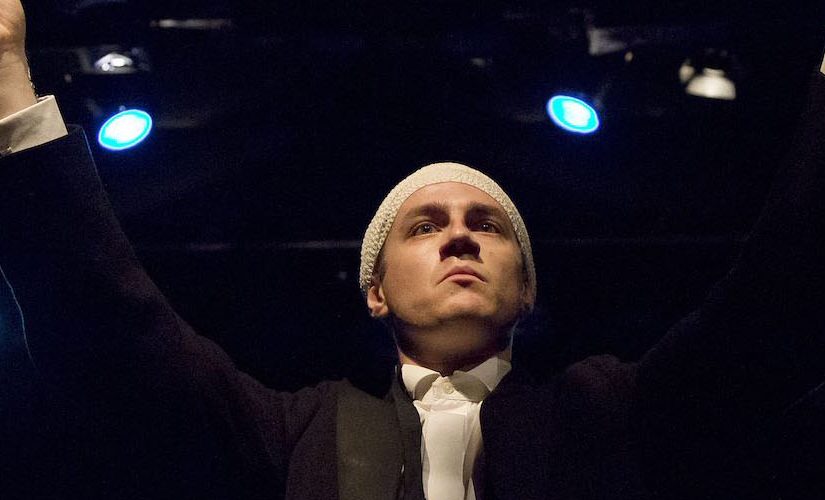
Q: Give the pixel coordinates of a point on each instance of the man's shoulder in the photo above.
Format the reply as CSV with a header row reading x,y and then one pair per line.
x,y
603,377
598,371
597,385
592,374
602,381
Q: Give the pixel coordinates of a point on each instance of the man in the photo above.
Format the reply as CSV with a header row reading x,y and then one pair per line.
x,y
447,264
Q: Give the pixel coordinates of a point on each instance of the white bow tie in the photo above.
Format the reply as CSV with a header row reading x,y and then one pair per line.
x,y
460,386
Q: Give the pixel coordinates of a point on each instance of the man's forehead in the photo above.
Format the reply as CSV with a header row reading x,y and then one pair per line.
x,y
448,196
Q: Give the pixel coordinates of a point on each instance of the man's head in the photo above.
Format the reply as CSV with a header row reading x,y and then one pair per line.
x,y
447,261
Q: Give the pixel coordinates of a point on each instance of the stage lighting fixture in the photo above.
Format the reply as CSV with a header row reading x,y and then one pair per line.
x,y
712,83
125,130
709,76
573,114
115,62
111,60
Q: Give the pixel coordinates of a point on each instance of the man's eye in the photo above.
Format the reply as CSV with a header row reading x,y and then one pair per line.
x,y
424,228
488,227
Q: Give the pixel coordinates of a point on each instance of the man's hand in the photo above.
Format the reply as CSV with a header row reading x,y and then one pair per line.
x,y
16,92
12,25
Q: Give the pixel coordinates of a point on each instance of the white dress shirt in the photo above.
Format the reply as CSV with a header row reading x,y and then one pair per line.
x,y
450,428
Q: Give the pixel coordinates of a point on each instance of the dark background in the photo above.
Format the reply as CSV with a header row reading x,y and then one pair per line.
x,y
278,132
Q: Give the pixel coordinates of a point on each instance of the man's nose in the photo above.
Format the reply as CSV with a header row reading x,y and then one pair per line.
x,y
460,243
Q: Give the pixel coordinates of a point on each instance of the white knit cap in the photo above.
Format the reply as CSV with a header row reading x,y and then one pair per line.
x,y
379,227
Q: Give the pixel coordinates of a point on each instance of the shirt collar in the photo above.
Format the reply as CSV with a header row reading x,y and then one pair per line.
x,y
418,379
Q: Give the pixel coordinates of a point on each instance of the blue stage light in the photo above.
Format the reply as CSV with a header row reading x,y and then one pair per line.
x,y
125,130
573,115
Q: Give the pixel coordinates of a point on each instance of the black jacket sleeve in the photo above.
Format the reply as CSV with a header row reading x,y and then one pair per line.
x,y
162,398
710,390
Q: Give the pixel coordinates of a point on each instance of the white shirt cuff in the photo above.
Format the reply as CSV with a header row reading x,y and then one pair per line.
x,y
822,68
30,127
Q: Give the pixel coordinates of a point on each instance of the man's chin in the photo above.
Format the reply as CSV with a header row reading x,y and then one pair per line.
x,y
477,310
473,312
466,303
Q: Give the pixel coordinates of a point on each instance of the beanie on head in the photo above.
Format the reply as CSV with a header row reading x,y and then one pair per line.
x,y
382,221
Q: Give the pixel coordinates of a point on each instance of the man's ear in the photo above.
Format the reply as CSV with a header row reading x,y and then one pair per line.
x,y
376,302
528,297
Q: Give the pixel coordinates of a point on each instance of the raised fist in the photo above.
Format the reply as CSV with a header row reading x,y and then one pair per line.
x,y
12,27
15,90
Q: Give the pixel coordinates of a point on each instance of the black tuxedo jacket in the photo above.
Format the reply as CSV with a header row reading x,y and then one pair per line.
x,y
164,413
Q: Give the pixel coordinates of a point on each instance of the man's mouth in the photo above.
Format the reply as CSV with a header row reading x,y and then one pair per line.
x,y
462,273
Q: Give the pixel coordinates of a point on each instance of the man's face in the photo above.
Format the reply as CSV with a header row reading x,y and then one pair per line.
x,y
451,256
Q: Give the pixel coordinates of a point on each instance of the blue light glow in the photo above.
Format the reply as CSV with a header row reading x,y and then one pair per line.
x,y
125,130
573,115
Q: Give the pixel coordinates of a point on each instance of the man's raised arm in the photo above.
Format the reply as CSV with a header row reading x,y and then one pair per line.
x,y
712,390
104,336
